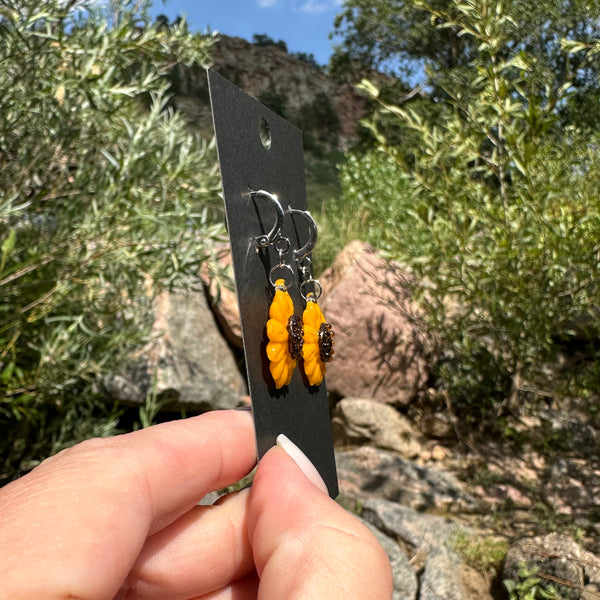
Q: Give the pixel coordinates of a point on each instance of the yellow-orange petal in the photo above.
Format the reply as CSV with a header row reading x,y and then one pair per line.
x,y
310,335
282,371
276,369
309,368
277,351
315,371
289,365
312,315
276,331
310,351
282,307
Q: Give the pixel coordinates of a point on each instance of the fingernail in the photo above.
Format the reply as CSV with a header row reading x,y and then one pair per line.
x,y
301,460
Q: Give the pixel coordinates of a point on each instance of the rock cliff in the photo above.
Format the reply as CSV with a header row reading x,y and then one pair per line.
x,y
327,111
299,89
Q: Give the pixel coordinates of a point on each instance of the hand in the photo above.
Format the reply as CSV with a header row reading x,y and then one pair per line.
x,y
118,518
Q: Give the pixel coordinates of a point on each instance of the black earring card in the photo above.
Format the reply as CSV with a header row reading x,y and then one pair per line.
x,y
260,151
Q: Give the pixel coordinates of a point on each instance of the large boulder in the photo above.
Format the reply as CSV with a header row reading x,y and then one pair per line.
x,y
358,421
381,347
187,365
428,540
375,473
222,296
404,577
442,577
420,530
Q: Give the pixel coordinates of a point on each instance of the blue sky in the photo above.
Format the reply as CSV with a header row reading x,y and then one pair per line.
x,y
303,24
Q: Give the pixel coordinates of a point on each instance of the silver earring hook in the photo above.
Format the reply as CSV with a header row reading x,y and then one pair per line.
x,y
263,241
310,289
303,252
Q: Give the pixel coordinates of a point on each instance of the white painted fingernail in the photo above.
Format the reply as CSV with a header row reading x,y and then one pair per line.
x,y
301,460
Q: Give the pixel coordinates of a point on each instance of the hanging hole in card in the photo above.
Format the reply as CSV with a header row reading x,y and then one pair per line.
x,y
265,133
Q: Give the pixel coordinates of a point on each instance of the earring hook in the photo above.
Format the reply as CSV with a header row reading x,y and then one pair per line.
x,y
302,253
262,241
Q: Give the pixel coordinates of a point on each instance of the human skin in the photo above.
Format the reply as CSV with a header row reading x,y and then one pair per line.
x,y
119,518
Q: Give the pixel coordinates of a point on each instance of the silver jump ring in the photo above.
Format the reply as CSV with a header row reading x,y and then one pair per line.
x,y
281,267
262,241
305,268
316,291
282,245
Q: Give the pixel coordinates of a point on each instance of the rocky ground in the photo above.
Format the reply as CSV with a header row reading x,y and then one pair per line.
x,y
458,513
457,521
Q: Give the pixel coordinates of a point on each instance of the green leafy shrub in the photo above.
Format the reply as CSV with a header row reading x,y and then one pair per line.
x,y
483,553
493,207
531,587
104,197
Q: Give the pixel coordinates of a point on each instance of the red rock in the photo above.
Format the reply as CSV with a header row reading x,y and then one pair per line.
x,y
223,299
380,347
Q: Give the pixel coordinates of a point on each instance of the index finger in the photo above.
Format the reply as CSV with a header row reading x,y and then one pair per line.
x,y
78,521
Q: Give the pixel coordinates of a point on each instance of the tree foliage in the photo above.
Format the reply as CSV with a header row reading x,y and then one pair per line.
x,y
104,196
395,35
406,36
262,39
491,199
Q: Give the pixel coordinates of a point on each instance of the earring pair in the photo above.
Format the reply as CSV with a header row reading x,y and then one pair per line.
x,y
291,337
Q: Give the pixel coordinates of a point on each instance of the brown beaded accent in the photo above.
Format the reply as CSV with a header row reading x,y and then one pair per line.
x,y
326,334
295,336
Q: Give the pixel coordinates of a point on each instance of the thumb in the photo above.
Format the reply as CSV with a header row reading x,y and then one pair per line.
x,y
305,545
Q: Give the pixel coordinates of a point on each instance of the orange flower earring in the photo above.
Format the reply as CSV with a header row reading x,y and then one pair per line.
x,y
318,339
284,328
317,333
